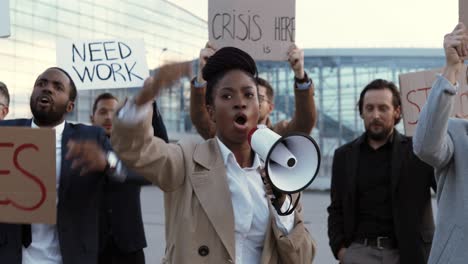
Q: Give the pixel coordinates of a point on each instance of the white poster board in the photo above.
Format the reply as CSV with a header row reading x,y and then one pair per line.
x,y
263,28
103,64
27,175
4,18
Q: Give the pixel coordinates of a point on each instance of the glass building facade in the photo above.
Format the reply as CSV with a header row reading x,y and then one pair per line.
x,y
171,33
339,76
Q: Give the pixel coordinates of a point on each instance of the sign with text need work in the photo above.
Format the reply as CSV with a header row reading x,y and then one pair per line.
x,y
263,28
103,64
4,18
27,175
415,88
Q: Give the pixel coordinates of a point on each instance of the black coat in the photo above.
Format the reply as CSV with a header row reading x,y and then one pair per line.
x,y
77,208
121,207
411,180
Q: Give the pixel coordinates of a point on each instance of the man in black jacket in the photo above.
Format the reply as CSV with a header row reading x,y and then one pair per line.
x,y
80,179
121,231
380,209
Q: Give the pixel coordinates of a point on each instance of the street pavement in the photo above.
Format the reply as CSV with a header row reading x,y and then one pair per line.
x,y
314,202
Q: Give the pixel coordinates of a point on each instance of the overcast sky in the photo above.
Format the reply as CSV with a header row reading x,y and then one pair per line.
x,y
365,23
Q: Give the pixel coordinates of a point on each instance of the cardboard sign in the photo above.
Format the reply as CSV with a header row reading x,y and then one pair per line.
x,y
463,11
263,28
4,18
103,64
27,175
415,88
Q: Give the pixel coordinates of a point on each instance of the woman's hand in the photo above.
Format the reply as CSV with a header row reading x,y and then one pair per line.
x,y
166,76
269,189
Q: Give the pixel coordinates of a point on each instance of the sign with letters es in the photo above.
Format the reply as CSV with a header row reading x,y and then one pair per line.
x,y
103,64
263,28
27,175
4,18
415,88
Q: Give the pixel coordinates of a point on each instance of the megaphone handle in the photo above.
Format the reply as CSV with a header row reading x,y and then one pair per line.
x,y
290,210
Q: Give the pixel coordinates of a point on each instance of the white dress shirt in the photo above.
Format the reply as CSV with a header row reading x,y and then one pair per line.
x,y
249,200
250,204
45,247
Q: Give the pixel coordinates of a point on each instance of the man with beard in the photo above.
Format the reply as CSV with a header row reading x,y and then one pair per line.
x,y
4,100
121,231
74,239
380,208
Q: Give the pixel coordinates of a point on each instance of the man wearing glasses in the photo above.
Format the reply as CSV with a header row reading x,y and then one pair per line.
x,y
4,100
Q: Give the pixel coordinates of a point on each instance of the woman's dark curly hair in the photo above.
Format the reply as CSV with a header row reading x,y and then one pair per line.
x,y
223,61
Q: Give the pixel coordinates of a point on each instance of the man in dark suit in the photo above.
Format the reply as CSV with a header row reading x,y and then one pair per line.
x,y
380,208
122,235
74,239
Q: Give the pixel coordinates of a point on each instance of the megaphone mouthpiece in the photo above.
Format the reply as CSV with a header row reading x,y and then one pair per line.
x,y
249,137
281,155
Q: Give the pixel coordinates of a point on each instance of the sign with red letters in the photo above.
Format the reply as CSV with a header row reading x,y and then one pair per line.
x,y
415,88
27,175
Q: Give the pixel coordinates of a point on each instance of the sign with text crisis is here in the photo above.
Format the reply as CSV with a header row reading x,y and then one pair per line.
x,y
415,88
103,64
27,175
4,18
263,28
463,11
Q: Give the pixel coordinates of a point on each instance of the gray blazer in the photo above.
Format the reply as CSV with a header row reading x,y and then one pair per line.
x,y
443,143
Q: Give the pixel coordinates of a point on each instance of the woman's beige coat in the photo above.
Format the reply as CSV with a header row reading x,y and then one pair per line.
x,y
198,208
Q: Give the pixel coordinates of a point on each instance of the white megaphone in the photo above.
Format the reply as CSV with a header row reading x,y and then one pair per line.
x,y
291,162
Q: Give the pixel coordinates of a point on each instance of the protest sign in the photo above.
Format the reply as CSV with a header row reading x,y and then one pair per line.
x,y
415,88
263,28
27,175
103,64
4,18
